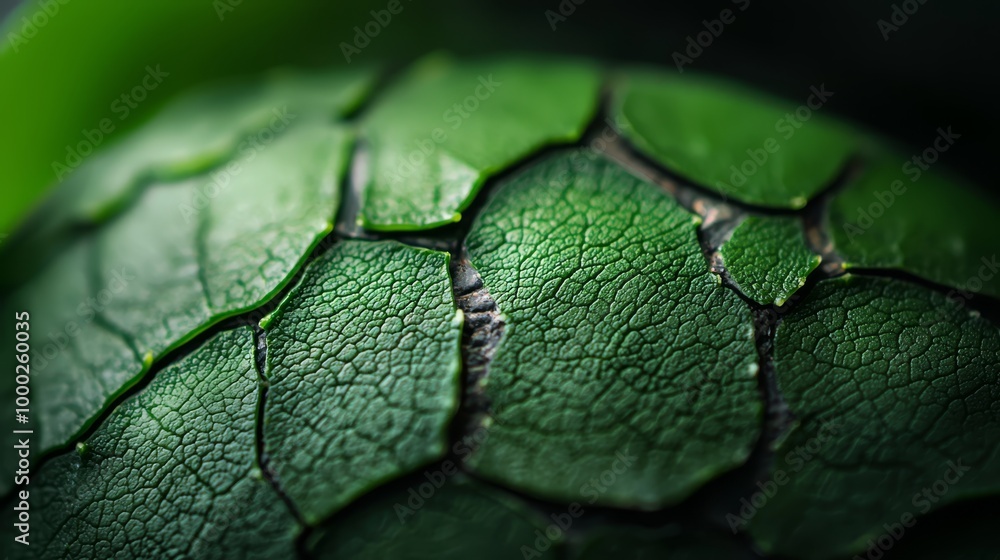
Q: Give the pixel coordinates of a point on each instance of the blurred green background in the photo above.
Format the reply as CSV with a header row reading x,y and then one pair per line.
x,y
63,63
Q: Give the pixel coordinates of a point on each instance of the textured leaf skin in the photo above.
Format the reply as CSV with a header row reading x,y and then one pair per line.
x,y
217,262
702,128
171,473
935,227
768,258
616,343
458,518
446,127
172,265
615,329
908,384
364,369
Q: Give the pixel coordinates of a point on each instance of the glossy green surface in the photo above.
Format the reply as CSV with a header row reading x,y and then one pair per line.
x,y
205,129
183,257
923,222
78,365
445,127
744,145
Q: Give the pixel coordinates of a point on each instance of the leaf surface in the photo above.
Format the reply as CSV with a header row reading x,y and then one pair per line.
x,y
747,146
171,473
183,257
445,127
896,395
922,222
768,258
363,362
206,128
622,354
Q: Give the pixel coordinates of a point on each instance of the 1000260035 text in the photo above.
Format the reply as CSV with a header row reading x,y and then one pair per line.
x,y
22,435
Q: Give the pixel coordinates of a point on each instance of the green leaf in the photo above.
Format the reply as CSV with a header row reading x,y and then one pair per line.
x,y
753,148
768,258
363,361
183,257
894,390
196,259
172,472
206,128
674,543
200,133
446,127
461,519
622,354
922,222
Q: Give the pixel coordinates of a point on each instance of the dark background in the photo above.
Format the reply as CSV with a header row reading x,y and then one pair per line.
x,y
937,70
